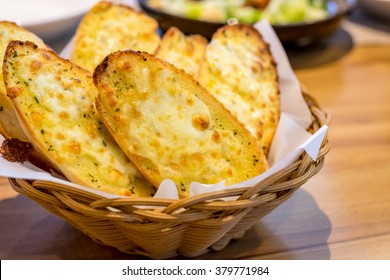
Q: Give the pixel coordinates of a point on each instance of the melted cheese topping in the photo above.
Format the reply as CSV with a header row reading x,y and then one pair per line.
x,y
9,125
108,27
233,82
185,52
55,101
174,129
170,127
167,109
244,80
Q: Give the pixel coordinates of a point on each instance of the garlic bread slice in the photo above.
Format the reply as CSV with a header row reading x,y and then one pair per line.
x,y
185,52
240,72
171,127
109,27
9,125
54,101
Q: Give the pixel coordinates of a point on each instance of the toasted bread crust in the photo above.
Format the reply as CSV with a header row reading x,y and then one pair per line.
x,y
109,27
54,101
171,127
9,126
239,70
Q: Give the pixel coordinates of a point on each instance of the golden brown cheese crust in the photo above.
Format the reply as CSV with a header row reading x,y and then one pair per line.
x,y
185,52
109,27
240,72
54,100
170,126
9,126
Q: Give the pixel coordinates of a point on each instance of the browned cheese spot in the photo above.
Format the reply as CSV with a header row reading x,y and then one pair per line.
x,y
126,65
200,122
216,137
13,92
190,101
64,115
47,56
257,67
74,147
60,136
36,118
35,65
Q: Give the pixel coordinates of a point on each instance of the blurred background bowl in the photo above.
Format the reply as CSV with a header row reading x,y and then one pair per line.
x,y
378,8
301,33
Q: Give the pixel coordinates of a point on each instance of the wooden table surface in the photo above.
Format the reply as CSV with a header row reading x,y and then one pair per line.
x,y
341,213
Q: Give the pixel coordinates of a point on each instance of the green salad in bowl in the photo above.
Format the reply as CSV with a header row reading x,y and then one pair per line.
x,y
245,11
295,21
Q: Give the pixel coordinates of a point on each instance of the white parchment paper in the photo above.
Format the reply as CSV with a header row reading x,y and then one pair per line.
x,y
290,141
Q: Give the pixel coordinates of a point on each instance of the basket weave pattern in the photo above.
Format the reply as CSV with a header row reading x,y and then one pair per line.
x,y
164,228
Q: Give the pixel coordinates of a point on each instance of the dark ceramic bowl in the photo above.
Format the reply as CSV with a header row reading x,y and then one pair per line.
x,y
297,32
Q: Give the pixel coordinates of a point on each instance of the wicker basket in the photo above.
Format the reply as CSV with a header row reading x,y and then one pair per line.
x,y
164,228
